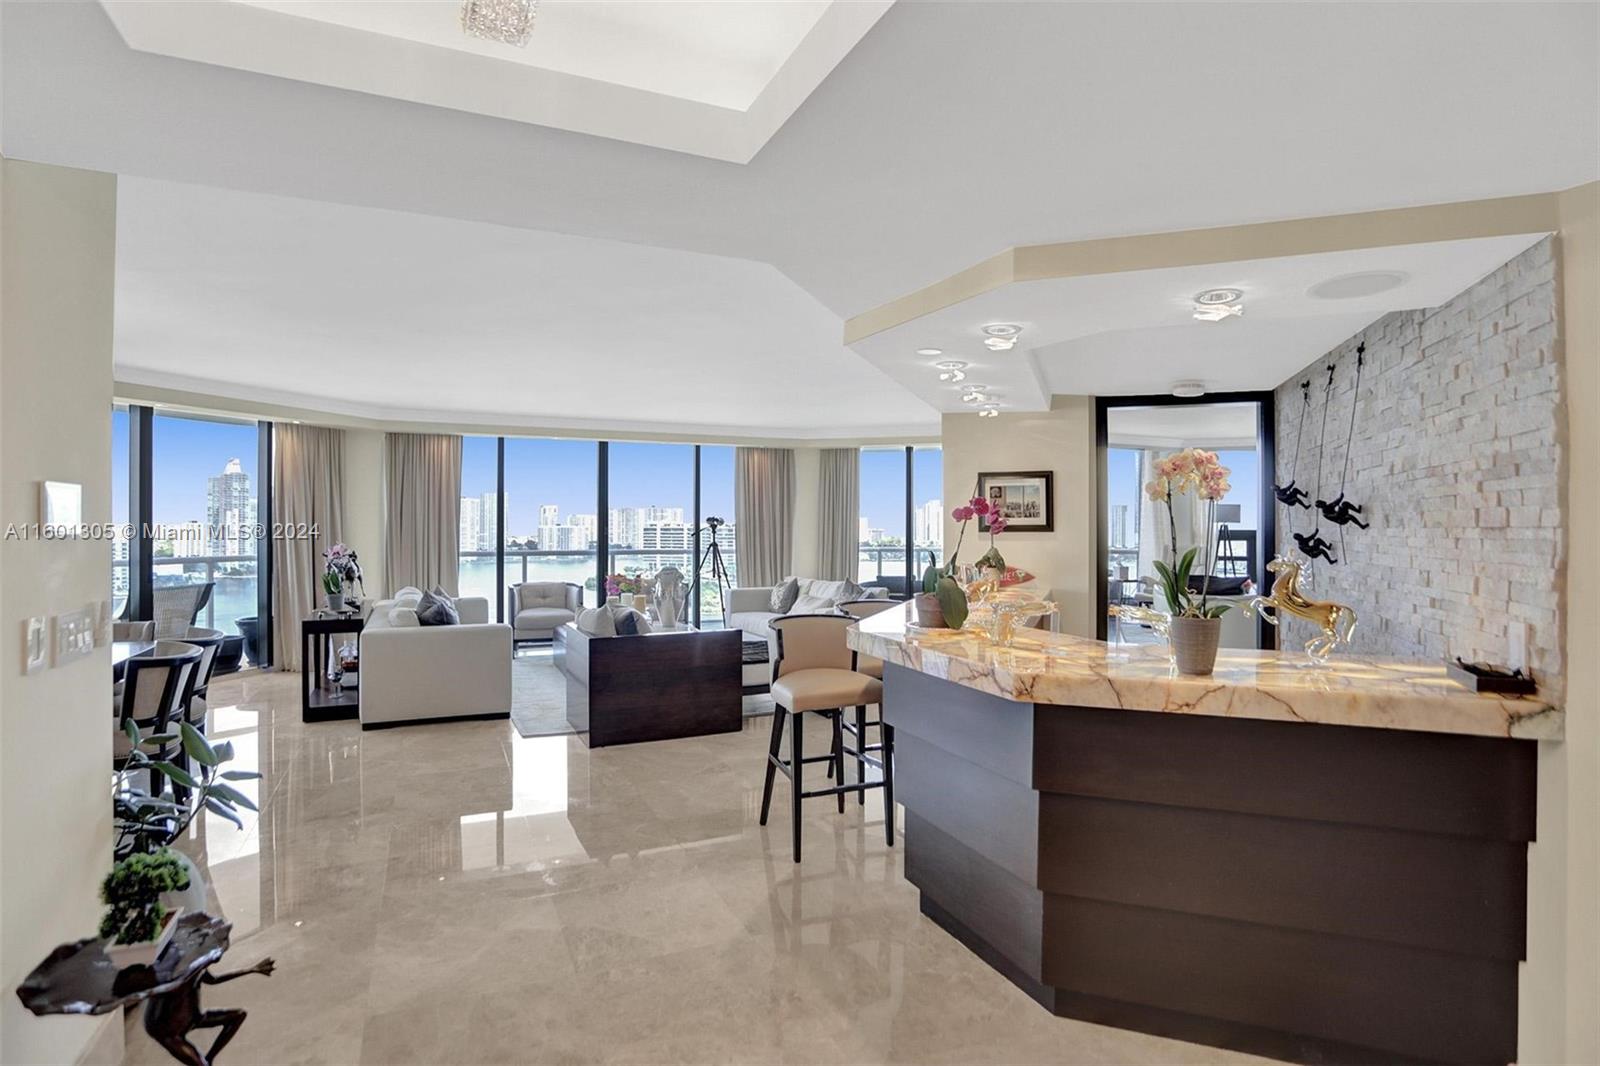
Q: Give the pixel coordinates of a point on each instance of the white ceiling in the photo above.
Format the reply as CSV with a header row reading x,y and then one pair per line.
x,y
715,53
712,79
392,315
1199,425
1134,332
949,132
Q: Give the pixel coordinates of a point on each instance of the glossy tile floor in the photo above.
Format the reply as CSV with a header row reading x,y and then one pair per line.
x,y
457,894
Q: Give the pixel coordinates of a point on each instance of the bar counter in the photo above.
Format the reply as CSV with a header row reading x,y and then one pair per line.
x,y
1312,863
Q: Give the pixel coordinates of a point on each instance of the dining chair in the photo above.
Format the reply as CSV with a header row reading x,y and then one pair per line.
x,y
154,694
175,607
209,641
130,631
815,673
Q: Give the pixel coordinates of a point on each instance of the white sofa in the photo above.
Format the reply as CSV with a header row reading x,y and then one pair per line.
x,y
412,673
751,610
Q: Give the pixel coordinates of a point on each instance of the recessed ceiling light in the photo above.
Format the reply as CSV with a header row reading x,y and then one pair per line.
x,y
953,376
930,351
1002,329
951,364
1353,286
1208,297
1188,390
973,397
989,412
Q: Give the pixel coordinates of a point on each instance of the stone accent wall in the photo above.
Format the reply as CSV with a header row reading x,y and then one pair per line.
x,y
1457,463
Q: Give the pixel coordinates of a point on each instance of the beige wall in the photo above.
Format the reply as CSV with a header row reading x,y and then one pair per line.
x,y
363,504
1561,981
58,231
1060,440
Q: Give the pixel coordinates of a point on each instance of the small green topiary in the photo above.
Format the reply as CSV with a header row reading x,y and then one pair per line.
x,y
133,892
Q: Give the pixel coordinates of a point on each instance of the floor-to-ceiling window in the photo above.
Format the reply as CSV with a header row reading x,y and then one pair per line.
x,y
1124,487
651,507
119,510
882,522
480,480
552,523
204,486
716,501
927,507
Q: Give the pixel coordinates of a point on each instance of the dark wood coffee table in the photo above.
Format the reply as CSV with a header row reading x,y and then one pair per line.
x,y
660,686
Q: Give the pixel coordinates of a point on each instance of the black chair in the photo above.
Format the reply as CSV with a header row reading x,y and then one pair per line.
x,y
154,694
815,673
209,641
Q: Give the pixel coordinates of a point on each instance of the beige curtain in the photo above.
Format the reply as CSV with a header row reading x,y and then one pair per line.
x,y
422,531
838,514
307,493
763,508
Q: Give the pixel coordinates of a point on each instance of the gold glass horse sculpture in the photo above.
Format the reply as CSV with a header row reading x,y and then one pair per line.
x,y
1337,620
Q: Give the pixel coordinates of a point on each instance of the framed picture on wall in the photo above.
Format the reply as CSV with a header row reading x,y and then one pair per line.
x,y
1026,499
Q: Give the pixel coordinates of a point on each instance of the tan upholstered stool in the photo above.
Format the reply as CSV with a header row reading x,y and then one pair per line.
x,y
815,674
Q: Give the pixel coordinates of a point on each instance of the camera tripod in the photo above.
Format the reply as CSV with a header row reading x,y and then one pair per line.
x,y
713,553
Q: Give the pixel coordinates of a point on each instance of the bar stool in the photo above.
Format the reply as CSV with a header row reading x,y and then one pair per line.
x,y
872,666
815,674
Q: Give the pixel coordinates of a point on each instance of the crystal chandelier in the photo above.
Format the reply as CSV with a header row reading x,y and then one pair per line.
x,y
506,21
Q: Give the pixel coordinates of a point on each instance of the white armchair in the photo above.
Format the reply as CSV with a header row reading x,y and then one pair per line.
x,y
539,608
412,673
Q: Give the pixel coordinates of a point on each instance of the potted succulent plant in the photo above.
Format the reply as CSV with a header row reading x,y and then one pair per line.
x,y
942,603
137,924
333,590
1195,628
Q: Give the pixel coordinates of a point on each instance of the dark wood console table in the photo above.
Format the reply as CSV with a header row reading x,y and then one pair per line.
x,y
318,702
658,686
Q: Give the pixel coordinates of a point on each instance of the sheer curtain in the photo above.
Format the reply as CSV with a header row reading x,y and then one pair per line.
x,y
422,476
307,491
763,507
838,511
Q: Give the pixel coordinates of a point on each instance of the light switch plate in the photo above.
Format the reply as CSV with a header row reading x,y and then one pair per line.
x,y
35,647
74,636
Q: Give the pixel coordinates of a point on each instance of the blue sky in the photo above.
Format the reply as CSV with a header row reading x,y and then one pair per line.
x,y
186,452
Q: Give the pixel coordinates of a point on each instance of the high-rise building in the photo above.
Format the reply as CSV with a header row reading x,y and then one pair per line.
x,y
1119,525
549,514
553,538
471,523
191,539
230,512
863,529
928,520
588,523
625,523
488,531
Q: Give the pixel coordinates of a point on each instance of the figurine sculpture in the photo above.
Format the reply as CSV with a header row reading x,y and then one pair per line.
x,y
1336,620
670,595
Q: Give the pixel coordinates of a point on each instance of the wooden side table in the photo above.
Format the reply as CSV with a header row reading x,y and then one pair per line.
x,y
318,702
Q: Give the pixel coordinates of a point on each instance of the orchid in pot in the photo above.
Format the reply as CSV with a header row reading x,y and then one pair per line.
x,y
1196,625
943,603
341,576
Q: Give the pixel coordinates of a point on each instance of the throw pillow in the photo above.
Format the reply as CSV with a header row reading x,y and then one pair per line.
x,y
403,617
437,611
812,605
597,622
629,622
784,594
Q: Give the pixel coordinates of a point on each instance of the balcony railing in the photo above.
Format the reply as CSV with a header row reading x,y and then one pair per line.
x,y
234,576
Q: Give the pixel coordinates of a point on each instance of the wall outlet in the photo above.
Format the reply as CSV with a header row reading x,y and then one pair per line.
x,y
74,636
35,648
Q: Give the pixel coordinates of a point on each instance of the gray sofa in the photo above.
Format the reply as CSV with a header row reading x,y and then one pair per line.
x,y
536,609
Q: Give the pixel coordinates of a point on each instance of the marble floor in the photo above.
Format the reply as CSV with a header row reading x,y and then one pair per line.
x,y
457,894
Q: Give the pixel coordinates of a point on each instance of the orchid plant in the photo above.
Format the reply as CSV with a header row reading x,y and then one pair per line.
x,y
941,581
618,584
340,561
1199,471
